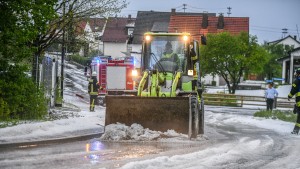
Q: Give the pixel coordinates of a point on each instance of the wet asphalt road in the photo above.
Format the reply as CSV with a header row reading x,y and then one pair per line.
x,y
228,146
91,153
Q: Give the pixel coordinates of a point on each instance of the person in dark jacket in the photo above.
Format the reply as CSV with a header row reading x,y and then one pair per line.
x,y
93,90
296,91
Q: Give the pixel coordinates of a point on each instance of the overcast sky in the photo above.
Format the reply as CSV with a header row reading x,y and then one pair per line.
x,y
267,17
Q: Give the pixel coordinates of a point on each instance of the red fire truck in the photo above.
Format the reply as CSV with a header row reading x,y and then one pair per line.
x,y
115,76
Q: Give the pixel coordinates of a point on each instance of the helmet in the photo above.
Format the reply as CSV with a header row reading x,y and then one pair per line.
x,y
94,74
297,72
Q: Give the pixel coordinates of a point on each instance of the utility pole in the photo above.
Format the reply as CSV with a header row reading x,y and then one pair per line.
x,y
298,32
229,11
284,32
184,7
63,51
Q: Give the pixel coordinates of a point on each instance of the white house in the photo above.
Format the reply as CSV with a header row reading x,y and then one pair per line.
x,y
93,29
288,40
292,61
116,36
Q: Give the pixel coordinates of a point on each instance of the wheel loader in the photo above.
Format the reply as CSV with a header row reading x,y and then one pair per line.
x,y
169,91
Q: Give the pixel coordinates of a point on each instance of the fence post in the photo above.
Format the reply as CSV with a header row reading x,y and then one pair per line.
x,y
275,104
242,100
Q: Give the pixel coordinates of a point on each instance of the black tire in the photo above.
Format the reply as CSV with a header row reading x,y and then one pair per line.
x,y
195,115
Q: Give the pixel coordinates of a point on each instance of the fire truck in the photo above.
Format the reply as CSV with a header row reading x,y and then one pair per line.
x,y
115,76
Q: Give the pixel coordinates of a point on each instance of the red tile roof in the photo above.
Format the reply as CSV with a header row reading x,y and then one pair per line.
x,y
193,25
79,27
116,30
97,24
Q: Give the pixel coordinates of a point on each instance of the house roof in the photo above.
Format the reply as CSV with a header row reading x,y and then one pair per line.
x,y
294,50
193,25
79,27
144,23
155,21
287,57
280,40
116,30
97,24
282,58
160,27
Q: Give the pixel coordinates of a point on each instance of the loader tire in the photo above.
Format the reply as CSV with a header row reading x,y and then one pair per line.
x,y
195,117
201,116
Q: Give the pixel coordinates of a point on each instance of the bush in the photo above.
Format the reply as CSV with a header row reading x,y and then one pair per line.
x,y
288,116
4,110
19,96
263,113
80,59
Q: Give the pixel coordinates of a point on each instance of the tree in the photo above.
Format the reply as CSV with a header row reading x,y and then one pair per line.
x,y
20,23
272,68
71,12
230,56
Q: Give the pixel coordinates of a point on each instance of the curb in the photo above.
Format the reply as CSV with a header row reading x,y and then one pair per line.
x,y
50,141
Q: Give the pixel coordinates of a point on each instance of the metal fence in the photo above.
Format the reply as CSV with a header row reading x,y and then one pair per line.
x,y
48,77
242,100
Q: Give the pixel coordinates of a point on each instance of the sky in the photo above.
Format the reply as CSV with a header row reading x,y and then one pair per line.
x,y
267,17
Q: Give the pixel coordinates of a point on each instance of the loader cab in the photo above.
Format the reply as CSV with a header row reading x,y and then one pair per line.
x,y
167,52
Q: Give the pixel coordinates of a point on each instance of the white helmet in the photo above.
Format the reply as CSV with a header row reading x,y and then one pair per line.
x,y
94,74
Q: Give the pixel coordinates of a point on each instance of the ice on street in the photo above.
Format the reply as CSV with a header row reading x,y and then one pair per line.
x,y
136,132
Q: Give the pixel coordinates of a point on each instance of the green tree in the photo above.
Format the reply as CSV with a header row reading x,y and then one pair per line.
x,y
230,56
70,13
272,68
20,23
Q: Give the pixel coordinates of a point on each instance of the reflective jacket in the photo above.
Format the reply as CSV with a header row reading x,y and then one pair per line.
x,y
172,56
295,91
93,86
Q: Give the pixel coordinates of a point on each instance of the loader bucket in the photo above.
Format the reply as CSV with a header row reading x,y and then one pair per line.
x,y
155,113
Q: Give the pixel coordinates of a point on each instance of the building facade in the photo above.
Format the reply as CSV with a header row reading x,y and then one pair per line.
x,y
290,62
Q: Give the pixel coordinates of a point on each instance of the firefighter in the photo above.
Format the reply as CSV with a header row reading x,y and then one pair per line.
x,y
296,91
168,53
93,90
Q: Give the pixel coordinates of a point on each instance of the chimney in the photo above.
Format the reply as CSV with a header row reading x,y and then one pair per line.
x,y
173,11
129,16
220,22
295,37
205,21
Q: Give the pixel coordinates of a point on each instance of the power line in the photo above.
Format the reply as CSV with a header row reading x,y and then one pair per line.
x,y
207,8
266,30
178,7
297,31
273,28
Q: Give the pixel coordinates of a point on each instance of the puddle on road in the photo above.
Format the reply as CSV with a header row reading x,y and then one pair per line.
x,y
99,151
